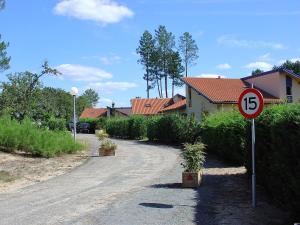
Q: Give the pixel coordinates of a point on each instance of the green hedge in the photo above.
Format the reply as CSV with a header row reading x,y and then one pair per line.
x,y
278,154
96,123
172,128
28,137
224,134
133,127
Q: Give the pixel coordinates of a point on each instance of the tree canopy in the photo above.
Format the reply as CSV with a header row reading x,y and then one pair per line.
x,y
162,61
189,50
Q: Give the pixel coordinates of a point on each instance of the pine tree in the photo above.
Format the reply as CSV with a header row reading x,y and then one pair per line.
x,y
165,42
189,50
145,50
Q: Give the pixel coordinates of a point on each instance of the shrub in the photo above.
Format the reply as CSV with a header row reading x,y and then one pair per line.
x,y
193,156
27,137
101,134
278,155
172,128
108,145
137,127
224,134
56,123
133,127
152,127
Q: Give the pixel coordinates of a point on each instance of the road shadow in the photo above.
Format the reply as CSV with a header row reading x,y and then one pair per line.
x,y
156,205
167,186
225,198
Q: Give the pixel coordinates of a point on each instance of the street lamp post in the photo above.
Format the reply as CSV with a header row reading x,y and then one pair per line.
x,y
74,92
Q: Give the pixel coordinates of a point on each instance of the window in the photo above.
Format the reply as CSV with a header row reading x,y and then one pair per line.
x,y
190,96
289,83
147,105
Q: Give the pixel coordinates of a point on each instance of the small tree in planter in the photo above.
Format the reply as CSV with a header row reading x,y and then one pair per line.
x,y
194,158
101,134
107,148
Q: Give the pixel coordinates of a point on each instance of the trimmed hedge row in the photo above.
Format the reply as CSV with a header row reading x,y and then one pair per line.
x,y
224,134
228,135
278,154
169,128
133,127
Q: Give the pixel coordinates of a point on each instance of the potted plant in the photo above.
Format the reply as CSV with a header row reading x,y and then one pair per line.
x,y
107,148
193,160
101,134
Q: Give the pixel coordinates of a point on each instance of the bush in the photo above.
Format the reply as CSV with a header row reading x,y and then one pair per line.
x,y
278,155
56,124
193,156
172,128
137,127
133,127
108,145
224,134
27,137
101,134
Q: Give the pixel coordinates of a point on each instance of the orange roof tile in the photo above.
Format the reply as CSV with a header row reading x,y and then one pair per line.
x,y
149,106
93,112
223,90
177,105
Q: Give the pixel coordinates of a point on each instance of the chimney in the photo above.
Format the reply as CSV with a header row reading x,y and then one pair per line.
x,y
219,77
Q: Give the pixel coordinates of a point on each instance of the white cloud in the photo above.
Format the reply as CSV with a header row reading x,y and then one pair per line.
x,y
109,87
224,66
265,57
234,42
209,75
109,60
82,73
259,65
103,11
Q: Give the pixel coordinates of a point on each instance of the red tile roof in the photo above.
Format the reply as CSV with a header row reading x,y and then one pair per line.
x,y
177,105
93,112
149,106
223,90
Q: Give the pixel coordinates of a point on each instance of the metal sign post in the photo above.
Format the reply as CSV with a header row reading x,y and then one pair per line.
x,y
251,104
253,166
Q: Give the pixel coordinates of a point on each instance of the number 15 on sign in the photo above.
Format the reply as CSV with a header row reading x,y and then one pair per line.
x,y
251,104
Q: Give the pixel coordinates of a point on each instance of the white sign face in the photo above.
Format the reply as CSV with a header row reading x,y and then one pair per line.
x,y
251,103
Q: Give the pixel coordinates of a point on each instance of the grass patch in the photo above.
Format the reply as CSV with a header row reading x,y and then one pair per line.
x,y
27,137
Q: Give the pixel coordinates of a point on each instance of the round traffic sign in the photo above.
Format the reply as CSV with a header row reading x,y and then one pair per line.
x,y
251,103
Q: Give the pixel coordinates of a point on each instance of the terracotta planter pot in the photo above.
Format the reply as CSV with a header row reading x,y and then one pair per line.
x,y
107,152
191,179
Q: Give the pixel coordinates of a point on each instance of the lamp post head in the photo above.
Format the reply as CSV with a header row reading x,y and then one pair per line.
x,y
74,91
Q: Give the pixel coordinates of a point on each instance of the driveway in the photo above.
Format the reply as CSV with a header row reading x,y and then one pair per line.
x,y
141,185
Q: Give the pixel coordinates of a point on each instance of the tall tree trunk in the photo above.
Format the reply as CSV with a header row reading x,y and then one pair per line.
x,y
166,85
161,93
147,84
186,65
158,89
173,87
186,61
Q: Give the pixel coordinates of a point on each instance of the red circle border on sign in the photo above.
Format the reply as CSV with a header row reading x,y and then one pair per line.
x,y
261,105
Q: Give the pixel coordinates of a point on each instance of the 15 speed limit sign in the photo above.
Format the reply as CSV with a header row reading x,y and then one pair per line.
x,y
251,103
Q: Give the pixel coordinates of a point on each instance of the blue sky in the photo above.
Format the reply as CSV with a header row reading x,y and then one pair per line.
x,y
93,42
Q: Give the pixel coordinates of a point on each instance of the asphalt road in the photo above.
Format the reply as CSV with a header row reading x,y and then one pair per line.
x,y
141,185
77,196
